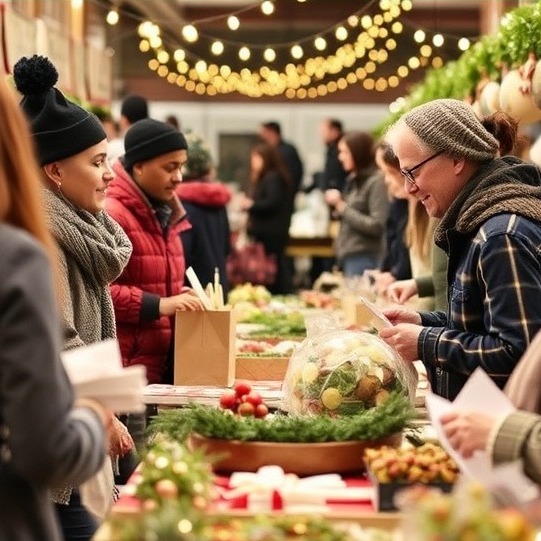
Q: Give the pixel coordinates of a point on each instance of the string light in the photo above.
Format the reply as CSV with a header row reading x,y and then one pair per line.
x,y
233,22
463,44
267,7
189,33
112,17
315,76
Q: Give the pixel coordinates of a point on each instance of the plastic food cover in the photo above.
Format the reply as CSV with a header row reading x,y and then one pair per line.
x,y
341,371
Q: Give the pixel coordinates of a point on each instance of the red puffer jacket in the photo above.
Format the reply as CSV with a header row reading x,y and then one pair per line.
x,y
156,269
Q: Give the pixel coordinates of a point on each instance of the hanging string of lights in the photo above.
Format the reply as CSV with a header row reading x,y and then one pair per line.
x,y
356,61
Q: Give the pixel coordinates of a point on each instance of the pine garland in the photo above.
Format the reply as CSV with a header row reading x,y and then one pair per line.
x,y
389,418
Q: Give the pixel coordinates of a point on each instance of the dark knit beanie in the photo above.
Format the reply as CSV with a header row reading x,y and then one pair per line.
x,y
149,138
134,108
60,128
451,126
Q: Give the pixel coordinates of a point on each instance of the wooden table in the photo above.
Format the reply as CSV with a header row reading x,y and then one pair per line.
x,y
310,247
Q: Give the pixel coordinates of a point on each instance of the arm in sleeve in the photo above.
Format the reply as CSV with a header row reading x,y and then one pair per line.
x,y
373,223
519,437
509,271
50,443
270,197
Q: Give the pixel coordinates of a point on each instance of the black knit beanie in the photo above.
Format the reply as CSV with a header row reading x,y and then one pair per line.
x,y
149,138
60,127
134,108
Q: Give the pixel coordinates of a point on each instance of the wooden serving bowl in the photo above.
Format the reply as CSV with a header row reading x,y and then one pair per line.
x,y
300,458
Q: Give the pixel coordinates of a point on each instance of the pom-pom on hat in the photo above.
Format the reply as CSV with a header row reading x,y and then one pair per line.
x,y
451,126
149,138
60,127
199,161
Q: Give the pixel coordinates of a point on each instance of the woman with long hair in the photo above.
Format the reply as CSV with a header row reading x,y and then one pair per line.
x,y
270,205
362,207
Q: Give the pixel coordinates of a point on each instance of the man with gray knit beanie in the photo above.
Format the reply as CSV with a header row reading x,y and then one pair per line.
x,y
490,228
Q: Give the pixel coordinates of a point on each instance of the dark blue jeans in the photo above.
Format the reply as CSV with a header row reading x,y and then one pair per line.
x,y
76,522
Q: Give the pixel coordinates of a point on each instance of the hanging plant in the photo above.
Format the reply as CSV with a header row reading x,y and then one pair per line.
x,y
517,38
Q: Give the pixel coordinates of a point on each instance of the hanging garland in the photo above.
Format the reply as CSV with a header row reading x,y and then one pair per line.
x,y
488,60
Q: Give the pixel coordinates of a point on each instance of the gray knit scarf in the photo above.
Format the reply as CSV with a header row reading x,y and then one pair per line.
x,y
97,243
505,185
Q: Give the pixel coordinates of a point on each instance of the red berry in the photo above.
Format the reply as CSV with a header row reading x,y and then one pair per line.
x,y
261,411
253,397
246,409
242,388
228,400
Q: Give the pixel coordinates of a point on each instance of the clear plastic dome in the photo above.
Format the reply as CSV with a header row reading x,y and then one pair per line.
x,y
341,371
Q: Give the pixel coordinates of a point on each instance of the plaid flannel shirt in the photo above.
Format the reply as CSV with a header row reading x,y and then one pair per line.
x,y
494,309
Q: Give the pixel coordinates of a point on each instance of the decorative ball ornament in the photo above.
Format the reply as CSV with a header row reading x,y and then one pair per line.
x,y
515,102
489,100
536,84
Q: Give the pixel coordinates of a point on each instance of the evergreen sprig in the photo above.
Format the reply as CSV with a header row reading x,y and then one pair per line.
x,y
389,418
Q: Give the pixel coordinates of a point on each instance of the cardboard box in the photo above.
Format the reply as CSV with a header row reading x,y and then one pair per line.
x,y
205,348
261,368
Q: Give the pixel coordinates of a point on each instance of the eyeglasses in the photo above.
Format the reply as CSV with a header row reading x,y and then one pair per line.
x,y
408,173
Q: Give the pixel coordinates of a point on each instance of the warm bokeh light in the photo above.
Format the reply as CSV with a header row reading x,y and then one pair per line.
x,y
112,17
233,22
217,48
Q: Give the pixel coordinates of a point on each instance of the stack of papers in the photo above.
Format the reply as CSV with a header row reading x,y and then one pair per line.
x,y
96,371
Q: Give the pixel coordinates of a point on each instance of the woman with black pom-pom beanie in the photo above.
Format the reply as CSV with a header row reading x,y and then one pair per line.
x,y
71,147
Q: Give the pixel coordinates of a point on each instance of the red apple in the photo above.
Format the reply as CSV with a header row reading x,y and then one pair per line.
x,y
242,388
228,400
253,397
261,411
246,409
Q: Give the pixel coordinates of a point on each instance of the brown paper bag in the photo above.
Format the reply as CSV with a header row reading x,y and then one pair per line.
x,y
205,348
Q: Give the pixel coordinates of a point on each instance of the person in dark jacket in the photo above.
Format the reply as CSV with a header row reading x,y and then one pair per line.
x,y
270,206
334,173
490,229
271,133
208,242
47,438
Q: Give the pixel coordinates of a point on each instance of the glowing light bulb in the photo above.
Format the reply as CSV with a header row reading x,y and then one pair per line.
x,y
438,40
320,43
189,33
244,53
463,44
419,36
297,52
269,55
217,48
267,7
112,17
341,33
233,22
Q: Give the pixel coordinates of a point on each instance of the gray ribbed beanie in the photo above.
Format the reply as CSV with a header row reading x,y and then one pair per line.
x,y
450,126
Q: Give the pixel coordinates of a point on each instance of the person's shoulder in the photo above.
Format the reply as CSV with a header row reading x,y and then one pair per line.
x,y
509,223
14,241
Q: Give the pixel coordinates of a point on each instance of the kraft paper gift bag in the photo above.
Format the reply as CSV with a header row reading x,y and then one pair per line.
x,y
205,348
